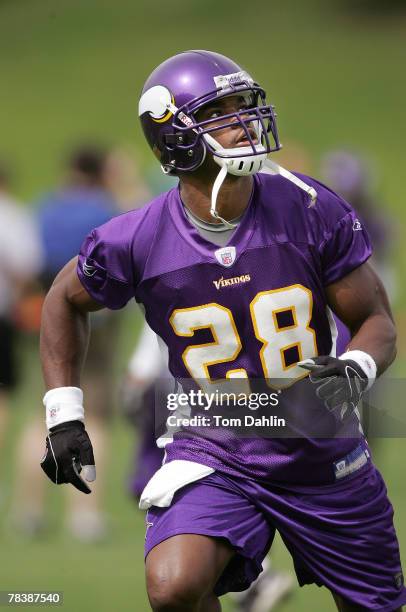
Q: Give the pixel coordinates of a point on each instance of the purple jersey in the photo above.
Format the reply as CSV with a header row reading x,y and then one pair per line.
x,y
253,308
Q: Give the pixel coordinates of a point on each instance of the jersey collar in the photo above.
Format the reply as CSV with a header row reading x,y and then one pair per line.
x,y
239,239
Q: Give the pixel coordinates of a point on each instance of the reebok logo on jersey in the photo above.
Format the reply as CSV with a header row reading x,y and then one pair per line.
x,y
229,282
148,524
398,578
87,269
357,225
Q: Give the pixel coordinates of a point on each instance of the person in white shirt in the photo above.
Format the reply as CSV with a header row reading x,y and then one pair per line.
x,y
20,265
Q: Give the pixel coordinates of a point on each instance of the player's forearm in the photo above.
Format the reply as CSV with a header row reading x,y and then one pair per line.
x,y
377,337
64,340
361,303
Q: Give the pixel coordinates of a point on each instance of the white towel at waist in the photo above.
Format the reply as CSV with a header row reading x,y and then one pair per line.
x,y
170,478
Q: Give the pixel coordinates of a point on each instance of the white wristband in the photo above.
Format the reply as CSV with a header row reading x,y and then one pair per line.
x,y
63,404
365,362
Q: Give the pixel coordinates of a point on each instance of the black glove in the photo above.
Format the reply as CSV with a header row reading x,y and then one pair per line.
x,y
340,382
68,452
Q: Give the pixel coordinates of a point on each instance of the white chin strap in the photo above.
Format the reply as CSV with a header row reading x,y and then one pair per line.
x,y
245,165
270,167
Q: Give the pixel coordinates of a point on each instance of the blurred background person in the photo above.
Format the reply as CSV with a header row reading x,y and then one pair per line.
x,y
20,264
124,179
68,214
352,176
65,216
146,368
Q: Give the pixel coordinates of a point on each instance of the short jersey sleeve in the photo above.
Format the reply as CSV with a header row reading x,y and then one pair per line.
x,y
347,247
343,242
105,266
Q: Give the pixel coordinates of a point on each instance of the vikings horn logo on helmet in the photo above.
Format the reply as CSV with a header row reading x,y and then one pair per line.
x,y
155,101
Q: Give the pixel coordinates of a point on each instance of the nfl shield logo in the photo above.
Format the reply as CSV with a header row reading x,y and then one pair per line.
x,y
226,256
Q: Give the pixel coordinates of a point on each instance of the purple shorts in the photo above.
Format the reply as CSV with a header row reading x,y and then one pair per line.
x,y
340,535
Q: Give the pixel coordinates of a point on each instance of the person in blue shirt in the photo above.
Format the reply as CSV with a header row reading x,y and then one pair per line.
x,y
65,216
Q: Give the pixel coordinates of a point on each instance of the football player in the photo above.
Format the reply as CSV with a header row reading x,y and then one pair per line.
x,y
238,271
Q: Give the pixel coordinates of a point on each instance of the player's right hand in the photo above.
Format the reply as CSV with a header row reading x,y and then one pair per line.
x,y
68,454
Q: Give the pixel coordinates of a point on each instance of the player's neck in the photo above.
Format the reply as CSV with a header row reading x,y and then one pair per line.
x,y
232,200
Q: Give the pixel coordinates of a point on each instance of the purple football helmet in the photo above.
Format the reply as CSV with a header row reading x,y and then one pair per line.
x,y
174,93
169,104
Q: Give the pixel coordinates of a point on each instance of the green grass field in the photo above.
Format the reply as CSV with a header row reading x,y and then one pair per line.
x,y
73,69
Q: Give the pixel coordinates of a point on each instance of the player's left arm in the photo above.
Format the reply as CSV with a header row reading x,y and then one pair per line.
x,y
360,301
